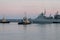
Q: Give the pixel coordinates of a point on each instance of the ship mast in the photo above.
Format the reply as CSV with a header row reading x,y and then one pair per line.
x,y
57,13
3,18
44,12
25,15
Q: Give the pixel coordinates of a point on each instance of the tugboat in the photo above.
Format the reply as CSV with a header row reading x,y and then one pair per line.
x,y
4,21
25,21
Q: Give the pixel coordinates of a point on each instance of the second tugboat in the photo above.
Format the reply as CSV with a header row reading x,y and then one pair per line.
x,y
25,21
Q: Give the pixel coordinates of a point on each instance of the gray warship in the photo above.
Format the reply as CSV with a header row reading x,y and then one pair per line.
x,y
43,19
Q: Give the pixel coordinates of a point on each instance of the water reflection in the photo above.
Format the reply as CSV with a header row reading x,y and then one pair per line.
x,y
30,32
2,28
25,27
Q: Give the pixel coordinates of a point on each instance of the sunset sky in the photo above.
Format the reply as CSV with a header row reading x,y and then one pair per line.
x,y
17,8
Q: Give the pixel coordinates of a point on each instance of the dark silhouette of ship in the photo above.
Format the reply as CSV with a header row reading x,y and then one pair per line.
x,y
56,18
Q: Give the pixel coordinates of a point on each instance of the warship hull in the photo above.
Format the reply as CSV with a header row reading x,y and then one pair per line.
x,y
45,21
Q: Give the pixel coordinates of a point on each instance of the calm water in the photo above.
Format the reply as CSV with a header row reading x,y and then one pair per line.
x,y
13,31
